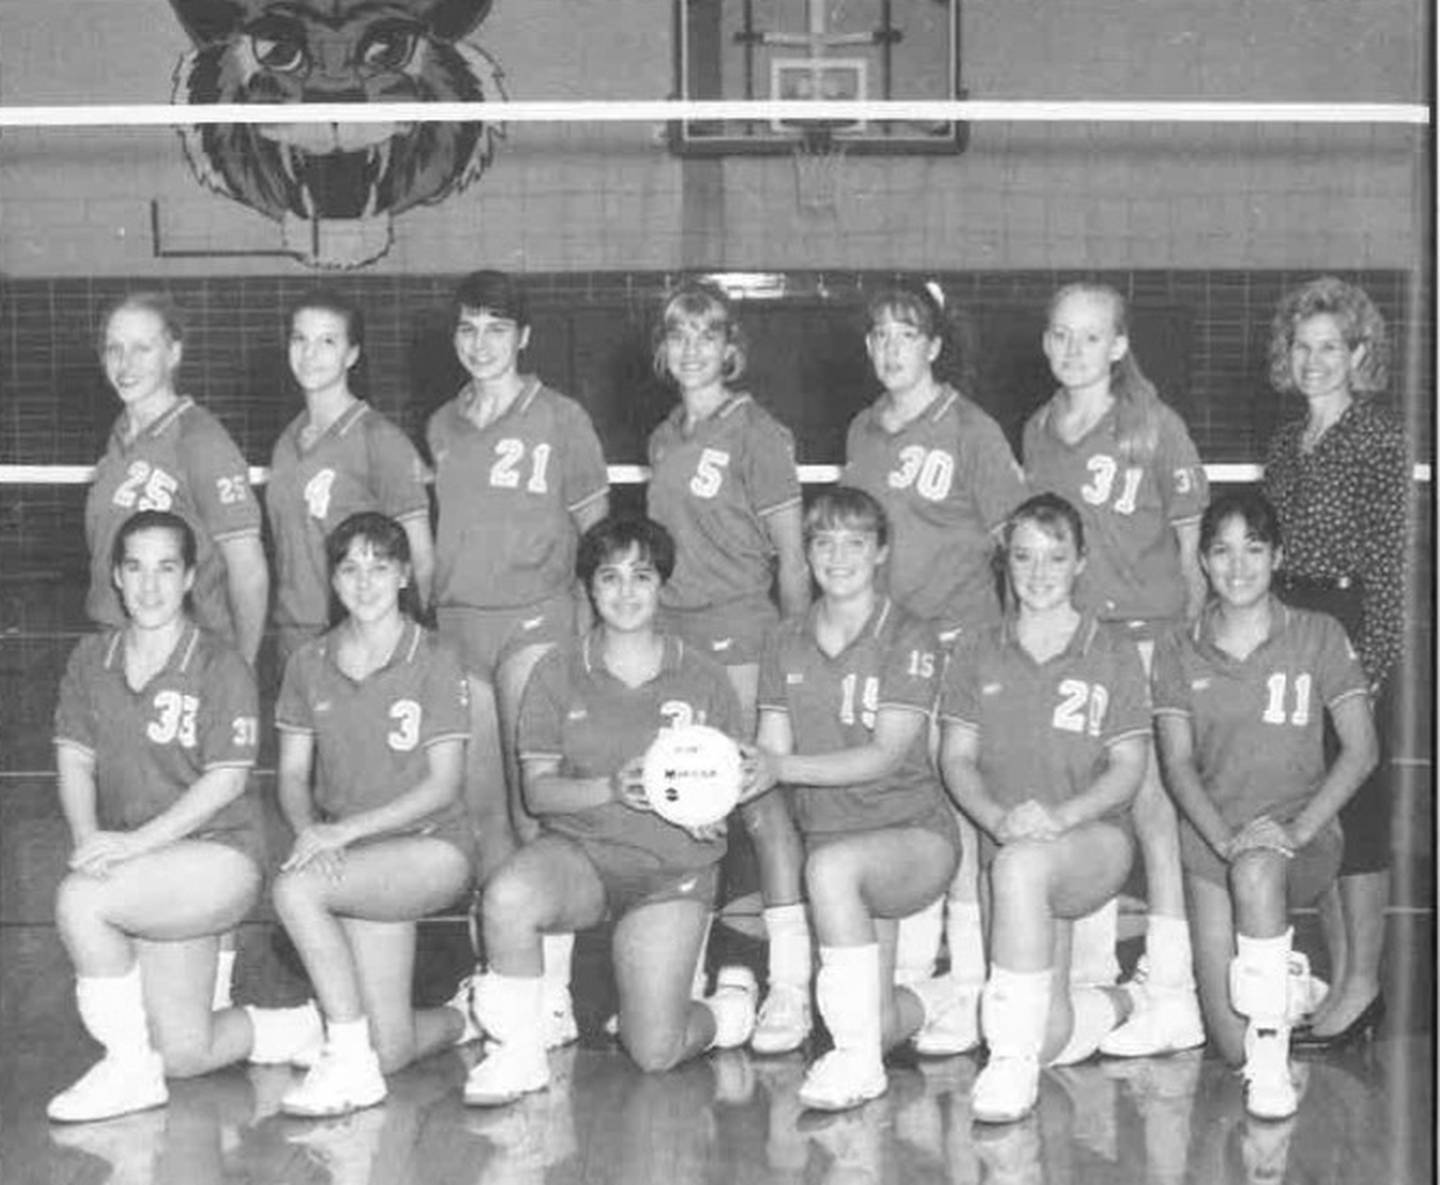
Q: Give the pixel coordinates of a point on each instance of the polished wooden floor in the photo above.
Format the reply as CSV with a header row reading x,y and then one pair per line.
x,y
1367,1115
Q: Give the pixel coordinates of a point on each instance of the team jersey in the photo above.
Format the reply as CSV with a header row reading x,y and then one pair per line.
x,y
1130,512
362,462
507,494
832,704
196,714
372,736
575,711
184,462
946,479
1046,729
713,488
1259,722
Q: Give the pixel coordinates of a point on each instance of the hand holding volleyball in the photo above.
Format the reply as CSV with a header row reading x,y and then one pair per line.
x,y
693,775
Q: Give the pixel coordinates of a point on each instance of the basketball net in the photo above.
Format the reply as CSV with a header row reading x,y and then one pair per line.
x,y
819,164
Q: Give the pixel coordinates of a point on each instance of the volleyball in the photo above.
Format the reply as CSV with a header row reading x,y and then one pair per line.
x,y
692,775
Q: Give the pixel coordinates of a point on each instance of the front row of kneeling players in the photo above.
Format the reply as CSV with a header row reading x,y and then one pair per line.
x,y
1044,724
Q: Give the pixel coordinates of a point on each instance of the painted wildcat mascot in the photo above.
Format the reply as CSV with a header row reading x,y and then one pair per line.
x,y
335,188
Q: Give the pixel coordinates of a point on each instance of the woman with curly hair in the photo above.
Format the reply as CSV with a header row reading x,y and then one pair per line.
x,y
1339,478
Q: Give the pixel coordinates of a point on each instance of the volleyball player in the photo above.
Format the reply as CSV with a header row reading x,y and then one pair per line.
x,y
846,694
336,458
374,713
155,735
1046,736
168,453
519,474
945,475
1108,444
723,482
591,711
1240,704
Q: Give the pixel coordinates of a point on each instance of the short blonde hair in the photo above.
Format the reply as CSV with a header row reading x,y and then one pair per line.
x,y
1358,319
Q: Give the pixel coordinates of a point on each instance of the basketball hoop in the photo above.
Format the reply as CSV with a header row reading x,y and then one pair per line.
x,y
819,163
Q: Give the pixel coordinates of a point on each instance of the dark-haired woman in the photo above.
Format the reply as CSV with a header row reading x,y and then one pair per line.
x,y
1339,478
336,458
168,453
373,723
946,477
723,482
1241,700
155,735
592,710
519,475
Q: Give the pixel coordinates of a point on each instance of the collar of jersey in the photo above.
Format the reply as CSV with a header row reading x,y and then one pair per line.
x,y
348,419
873,627
178,659
1080,641
182,405
1203,631
735,401
530,387
403,653
670,657
934,411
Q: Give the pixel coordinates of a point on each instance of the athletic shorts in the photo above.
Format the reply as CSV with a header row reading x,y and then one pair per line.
x,y
1121,821
939,818
632,878
248,841
732,633
1308,873
485,638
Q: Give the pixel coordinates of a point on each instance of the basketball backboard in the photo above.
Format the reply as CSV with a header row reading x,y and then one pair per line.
x,y
817,49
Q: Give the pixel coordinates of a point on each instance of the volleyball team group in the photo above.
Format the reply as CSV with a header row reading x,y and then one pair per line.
x,y
970,696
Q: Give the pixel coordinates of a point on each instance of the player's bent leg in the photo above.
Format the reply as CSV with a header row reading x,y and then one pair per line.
x,y
1259,991
784,1021
486,795
1213,928
548,885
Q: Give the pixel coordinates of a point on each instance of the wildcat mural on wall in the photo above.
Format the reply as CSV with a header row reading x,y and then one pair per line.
x,y
336,188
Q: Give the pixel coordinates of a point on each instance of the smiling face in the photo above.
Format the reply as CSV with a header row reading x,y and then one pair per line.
x,y
368,581
487,345
901,352
696,351
140,356
321,353
1240,565
1321,360
1042,566
152,578
1081,341
845,560
625,591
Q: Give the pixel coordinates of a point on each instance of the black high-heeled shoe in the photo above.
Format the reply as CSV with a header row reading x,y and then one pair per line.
x,y
1358,1029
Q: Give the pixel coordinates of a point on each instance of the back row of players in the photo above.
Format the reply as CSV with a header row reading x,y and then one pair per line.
x,y
902,555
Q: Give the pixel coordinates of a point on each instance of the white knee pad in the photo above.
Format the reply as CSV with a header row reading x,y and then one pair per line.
x,y
1094,1017
1257,992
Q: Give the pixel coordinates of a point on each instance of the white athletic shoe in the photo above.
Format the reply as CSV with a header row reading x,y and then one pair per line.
x,y
461,1002
1012,1154
1006,1089
1165,1019
1269,1090
345,1147
336,1085
784,1021
508,1073
954,1026
113,1086
733,1007
841,1080
560,1027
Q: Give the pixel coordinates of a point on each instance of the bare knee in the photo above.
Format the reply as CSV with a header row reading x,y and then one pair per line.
x,y
296,893
78,901
1021,867
186,1055
509,902
654,1052
1256,876
830,874
394,1051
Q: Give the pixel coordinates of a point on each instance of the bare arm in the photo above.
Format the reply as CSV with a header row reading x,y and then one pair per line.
x,y
792,573
960,768
1358,756
896,729
1187,535
422,556
76,769
1182,777
548,792
292,776
247,580
1113,787
444,764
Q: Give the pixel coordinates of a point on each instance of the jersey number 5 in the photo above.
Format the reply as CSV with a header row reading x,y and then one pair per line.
x,y
709,473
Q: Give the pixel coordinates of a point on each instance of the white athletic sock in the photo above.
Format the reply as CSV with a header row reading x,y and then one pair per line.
x,y
1260,979
557,953
348,1038
224,981
917,943
1013,1010
847,989
700,980
112,1008
789,934
1167,951
965,938
1092,947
